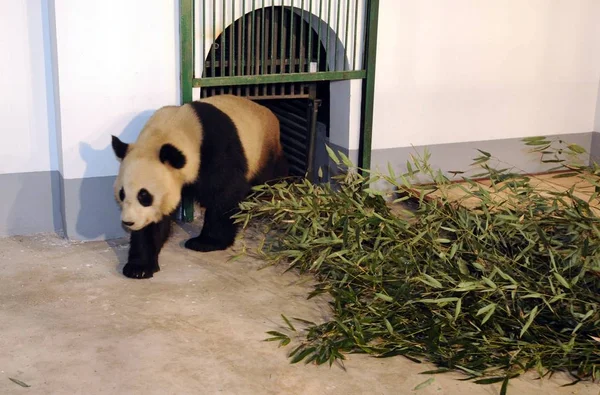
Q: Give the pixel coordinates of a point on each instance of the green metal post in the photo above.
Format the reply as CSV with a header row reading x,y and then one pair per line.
x,y
369,85
186,25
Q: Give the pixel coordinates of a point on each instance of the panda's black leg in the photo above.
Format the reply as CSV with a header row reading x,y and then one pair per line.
x,y
218,232
145,246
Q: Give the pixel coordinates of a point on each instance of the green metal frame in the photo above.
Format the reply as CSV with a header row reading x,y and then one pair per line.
x,y
367,75
276,78
368,92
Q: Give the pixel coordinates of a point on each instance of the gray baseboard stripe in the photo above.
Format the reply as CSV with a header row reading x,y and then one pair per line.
x,y
459,156
91,211
30,203
513,153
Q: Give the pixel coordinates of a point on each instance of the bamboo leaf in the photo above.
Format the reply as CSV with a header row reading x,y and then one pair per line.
x,y
384,297
332,155
289,324
19,382
448,279
532,315
424,384
576,148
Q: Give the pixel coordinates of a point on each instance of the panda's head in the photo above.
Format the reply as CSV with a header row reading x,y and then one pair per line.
x,y
147,187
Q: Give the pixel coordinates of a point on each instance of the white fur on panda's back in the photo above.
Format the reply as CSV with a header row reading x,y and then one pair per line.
x,y
176,125
258,128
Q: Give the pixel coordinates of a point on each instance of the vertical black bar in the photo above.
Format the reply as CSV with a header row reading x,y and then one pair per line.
x,y
264,39
319,35
273,39
243,38
282,37
347,27
310,33
214,40
256,54
337,34
222,68
203,38
292,36
232,40
253,29
301,46
355,33
327,54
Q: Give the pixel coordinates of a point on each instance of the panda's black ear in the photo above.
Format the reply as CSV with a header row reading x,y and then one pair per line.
x,y
170,154
119,147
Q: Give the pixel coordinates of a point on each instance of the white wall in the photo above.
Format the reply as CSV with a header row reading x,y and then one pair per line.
x,y
446,72
467,70
28,142
118,61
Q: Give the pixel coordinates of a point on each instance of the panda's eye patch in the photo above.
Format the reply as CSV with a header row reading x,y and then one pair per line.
x,y
122,194
145,198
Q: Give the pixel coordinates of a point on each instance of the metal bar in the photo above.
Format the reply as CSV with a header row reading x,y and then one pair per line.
x,y
337,34
186,31
186,28
292,62
256,54
249,45
265,46
282,39
346,35
274,46
222,65
314,106
319,35
272,71
239,53
214,40
203,38
301,66
252,29
264,38
328,29
355,33
273,78
232,40
310,32
243,37
369,86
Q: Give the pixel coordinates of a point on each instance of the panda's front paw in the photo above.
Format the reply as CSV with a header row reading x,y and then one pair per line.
x,y
205,244
133,270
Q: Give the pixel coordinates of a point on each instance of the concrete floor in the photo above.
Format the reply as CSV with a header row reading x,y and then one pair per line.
x,y
70,323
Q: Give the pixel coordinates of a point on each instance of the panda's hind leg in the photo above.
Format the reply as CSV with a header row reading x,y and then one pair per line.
x,y
218,232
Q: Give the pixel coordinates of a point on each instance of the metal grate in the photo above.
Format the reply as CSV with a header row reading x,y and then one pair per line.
x,y
284,43
297,121
265,49
252,42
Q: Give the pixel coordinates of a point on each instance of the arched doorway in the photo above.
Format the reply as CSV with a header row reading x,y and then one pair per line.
x,y
309,60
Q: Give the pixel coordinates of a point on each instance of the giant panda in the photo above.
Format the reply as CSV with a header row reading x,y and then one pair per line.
x,y
216,148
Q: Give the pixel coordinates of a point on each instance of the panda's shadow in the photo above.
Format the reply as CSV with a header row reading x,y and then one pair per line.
x,y
120,248
183,231
97,216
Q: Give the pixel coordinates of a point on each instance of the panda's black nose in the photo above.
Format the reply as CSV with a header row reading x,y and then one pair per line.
x,y
127,223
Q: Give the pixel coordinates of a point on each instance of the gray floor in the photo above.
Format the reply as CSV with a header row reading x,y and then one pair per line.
x,y
71,323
